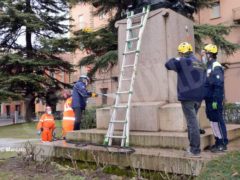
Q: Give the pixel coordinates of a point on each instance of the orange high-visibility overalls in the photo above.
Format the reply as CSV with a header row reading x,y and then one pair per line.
x,y
47,124
68,117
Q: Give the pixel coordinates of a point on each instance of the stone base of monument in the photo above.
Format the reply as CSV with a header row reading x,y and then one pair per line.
x,y
156,151
151,159
174,140
153,117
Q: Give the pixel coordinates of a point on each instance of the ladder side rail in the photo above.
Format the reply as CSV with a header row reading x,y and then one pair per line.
x,y
125,133
113,117
144,21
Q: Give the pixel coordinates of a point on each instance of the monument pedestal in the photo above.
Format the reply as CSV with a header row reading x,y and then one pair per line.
x,y
153,116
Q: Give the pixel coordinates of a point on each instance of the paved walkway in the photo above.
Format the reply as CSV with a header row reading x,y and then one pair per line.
x,y
8,122
5,122
12,142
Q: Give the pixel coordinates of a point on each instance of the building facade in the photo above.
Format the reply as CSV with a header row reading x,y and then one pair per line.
x,y
226,12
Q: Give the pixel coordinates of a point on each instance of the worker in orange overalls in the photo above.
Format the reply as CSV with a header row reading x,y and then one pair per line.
x,y
68,114
46,125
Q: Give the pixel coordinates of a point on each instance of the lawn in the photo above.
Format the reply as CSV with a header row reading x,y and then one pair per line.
x,y
28,130
22,131
225,167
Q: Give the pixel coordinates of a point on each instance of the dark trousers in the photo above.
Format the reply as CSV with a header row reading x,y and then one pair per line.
x,y
78,118
190,109
216,115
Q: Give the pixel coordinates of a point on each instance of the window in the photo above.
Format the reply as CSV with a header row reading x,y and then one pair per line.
x,y
63,76
102,16
215,10
81,21
104,98
52,74
8,110
17,108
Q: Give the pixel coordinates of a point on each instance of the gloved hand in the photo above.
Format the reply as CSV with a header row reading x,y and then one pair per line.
x,y
38,132
214,105
41,129
94,94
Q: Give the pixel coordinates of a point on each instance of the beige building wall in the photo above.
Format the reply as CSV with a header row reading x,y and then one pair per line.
x,y
8,109
227,13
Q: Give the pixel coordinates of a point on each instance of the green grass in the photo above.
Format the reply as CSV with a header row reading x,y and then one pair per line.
x,y
225,167
10,175
6,155
6,175
22,131
28,130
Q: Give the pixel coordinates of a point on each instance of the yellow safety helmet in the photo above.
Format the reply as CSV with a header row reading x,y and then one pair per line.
x,y
211,48
185,47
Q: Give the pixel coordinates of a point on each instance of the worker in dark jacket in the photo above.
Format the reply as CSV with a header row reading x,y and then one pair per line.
x,y
190,86
214,88
79,99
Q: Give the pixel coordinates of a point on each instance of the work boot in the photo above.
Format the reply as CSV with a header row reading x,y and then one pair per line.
x,y
218,148
192,155
188,153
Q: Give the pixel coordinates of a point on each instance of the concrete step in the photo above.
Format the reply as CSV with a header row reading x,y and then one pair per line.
x,y
155,159
175,140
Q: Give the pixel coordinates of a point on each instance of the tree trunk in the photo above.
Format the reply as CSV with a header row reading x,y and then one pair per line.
x,y
30,108
28,31
29,101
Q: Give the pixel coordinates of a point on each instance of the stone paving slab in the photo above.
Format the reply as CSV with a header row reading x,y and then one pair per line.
x,y
155,159
13,142
175,140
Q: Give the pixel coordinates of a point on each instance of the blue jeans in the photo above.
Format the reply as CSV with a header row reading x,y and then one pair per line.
x,y
190,110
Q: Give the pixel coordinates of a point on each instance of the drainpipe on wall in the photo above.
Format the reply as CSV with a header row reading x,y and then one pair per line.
x,y
91,18
165,16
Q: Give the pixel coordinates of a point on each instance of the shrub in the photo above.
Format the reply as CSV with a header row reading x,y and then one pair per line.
x,y
232,113
89,118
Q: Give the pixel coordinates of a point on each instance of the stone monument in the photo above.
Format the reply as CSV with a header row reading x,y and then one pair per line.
x,y
154,103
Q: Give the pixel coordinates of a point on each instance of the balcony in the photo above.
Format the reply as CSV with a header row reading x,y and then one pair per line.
x,y
236,14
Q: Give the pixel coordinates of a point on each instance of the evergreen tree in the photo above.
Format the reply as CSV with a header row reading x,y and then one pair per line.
x,y
91,41
101,45
216,33
30,43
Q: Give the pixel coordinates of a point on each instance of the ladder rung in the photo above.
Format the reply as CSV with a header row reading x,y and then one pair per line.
x,y
131,52
118,121
137,15
126,79
127,66
132,39
125,106
123,92
135,27
117,137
